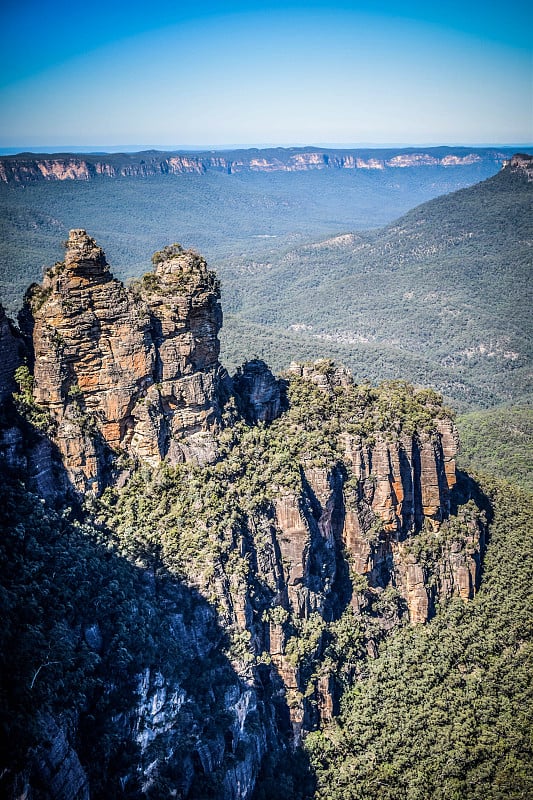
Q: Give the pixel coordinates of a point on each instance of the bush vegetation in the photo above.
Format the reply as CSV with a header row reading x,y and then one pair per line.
x,y
500,442
444,710
436,298
80,624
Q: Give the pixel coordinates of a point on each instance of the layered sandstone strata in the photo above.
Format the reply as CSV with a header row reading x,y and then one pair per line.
x,y
125,369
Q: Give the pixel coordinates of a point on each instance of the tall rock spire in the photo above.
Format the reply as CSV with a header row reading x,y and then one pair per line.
x,y
118,368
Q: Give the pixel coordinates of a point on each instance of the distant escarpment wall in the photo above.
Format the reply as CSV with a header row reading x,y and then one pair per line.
x,y
29,167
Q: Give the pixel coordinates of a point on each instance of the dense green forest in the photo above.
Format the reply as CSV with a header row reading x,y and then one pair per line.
x,y
444,711
442,293
464,386
231,217
114,586
440,297
499,442
435,712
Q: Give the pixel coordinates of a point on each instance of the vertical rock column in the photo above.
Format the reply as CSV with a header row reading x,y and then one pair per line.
x,y
183,297
404,485
93,356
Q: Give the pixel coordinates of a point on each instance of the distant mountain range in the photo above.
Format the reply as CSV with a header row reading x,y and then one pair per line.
x,y
439,297
254,588
281,198
442,296
26,167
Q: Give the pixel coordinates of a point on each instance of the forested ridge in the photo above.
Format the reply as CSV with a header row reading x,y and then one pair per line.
x,y
307,600
441,296
445,710
435,711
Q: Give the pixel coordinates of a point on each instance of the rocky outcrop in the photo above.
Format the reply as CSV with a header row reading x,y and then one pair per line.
x,y
28,167
258,390
521,164
335,508
183,298
56,765
132,370
93,357
403,495
324,374
407,481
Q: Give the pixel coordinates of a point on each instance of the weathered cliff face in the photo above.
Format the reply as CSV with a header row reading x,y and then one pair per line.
x,y
313,524
147,704
408,481
299,581
259,392
522,164
119,369
308,522
93,357
22,447
54,767
25,168
183,298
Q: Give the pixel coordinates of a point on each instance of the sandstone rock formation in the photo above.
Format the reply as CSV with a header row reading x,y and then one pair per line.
x,y
386,505
521,163
126,369
353,519
24,168
258,390
183,298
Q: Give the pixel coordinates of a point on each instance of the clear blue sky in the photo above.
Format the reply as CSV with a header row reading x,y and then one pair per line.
x,y
213,73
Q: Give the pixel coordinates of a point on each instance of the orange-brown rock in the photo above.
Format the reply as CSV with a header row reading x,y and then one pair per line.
x,y
401,486
183,297
132,369
94,354
412,582
407,480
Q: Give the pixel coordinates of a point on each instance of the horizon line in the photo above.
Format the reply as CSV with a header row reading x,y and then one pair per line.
x,y
104,149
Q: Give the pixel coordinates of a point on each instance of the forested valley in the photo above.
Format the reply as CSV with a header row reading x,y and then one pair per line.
x,y
292,563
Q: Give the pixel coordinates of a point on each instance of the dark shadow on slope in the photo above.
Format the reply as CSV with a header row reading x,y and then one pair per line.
x,y
96,657
288,777
465,489
334,555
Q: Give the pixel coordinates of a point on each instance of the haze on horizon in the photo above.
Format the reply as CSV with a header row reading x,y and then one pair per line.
x,y
221,74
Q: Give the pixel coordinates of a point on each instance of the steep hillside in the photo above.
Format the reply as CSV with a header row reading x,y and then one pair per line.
x,y
499,442
250,213
194,568
443,291
445,710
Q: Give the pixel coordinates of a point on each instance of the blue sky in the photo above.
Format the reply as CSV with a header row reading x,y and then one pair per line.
x,y
240,73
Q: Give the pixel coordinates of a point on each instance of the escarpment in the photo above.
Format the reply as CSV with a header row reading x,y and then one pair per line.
x,y
32,167
334,517
282,526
